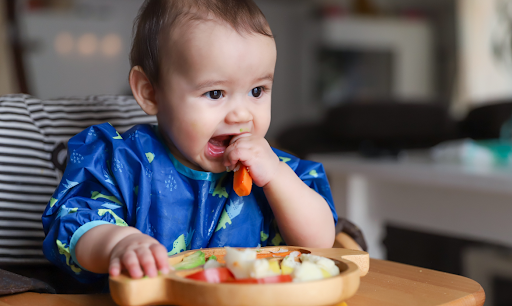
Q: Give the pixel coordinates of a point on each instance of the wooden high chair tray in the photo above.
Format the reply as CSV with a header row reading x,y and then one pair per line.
x,y
175,289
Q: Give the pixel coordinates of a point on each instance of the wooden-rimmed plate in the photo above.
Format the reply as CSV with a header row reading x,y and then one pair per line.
x,y
175,289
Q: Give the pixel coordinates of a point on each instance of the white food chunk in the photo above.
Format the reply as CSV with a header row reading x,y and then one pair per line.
x,y
289,261
240,263
324,263
261,268
212,264
307,271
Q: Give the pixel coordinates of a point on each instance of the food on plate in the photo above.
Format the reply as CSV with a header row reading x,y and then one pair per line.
x,y
223,275
240,262
290,262
213,275
242,181
325,264
247,266
194,260
307,271
212,263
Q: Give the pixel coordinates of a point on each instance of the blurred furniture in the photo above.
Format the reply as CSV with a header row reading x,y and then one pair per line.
x,y
492,268
409,41
83,45
387,127
414,192
382,128
12,74
486,121
386,284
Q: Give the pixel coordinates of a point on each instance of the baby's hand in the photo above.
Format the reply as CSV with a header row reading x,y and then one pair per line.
x,y
256,154
140,254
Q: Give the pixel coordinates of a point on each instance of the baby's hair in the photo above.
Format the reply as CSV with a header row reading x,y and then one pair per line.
x,y
156,15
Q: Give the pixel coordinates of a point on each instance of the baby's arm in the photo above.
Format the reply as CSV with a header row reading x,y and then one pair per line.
x,y
86,221
108,248
303,216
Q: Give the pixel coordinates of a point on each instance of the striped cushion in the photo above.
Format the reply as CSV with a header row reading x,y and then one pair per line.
x,y
30,130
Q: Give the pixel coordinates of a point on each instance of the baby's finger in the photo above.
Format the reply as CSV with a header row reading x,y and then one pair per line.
x,y
131,263
232,157
236,143
160,255
234,139
114,268
147,261
229,157
241,153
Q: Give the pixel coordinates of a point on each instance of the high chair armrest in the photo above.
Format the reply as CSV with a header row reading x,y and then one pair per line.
x,y
350,236
343,240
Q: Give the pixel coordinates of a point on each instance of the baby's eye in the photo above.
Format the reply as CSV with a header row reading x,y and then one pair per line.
x,y
256,92
214,94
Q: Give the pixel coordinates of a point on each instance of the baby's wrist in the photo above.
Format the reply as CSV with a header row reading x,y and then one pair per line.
x,y
277,176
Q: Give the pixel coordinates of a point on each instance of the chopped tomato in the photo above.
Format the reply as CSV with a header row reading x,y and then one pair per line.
x,y
217,275
223,275
264,280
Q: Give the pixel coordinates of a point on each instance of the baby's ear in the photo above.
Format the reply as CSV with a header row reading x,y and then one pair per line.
x,y
143,91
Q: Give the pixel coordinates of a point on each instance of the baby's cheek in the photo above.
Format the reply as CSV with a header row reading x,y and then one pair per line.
x,y
195,126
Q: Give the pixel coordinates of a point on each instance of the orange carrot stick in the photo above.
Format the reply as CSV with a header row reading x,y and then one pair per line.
x,y
273,255
242,182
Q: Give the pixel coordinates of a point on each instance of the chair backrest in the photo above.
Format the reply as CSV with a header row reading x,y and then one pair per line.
x,y
30,131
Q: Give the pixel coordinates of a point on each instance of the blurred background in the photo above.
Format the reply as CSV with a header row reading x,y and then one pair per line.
x,y
407,103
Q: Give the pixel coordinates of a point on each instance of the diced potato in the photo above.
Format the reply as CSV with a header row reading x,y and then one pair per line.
x,y
261,268
290,260
274,266
285,270
240,263
289,263
307,271
325,263
325,273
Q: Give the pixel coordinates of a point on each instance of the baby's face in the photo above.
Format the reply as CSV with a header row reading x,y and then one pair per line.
x,y
215,84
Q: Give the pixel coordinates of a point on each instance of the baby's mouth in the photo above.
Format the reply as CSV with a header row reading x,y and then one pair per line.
x,y
217,145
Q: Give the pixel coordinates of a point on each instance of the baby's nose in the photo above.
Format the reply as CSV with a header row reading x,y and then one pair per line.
x,y
239,115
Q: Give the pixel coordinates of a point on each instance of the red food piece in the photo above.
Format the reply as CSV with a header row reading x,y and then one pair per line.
x,y
215,276
264,280
223,275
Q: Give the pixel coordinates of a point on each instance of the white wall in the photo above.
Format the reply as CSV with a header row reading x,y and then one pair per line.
x,y
484,76
55,75
296,34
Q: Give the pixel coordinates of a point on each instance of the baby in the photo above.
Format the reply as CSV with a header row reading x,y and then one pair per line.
x,y
205,68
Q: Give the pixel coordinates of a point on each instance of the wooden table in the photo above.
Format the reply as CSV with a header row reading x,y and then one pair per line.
x,y
387,284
